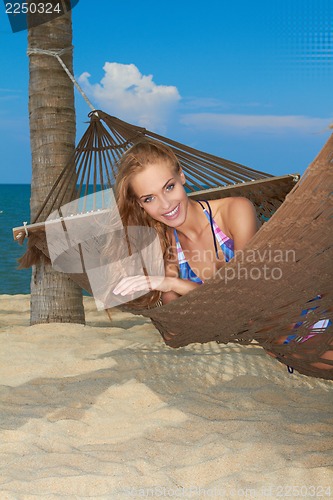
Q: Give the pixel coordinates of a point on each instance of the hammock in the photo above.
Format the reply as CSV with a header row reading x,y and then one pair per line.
x,y
256,300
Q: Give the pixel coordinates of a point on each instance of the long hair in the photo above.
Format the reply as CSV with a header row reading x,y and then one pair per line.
x,y
135,160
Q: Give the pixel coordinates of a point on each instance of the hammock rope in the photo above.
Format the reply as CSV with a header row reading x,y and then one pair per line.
x,y
242,310
57,53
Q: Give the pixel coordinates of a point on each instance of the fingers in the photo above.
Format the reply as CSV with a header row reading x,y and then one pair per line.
x,y
132,284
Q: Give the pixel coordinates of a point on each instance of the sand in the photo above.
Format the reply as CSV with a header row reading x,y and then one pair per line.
x,y
107,411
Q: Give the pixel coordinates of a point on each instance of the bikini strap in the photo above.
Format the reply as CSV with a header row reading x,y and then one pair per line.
x,y
211,224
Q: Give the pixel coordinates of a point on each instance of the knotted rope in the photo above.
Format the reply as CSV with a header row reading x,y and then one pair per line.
x,y
57,53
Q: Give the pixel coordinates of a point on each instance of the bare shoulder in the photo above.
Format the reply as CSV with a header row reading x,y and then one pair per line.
x,y
233,206
239,206
238,218
241,220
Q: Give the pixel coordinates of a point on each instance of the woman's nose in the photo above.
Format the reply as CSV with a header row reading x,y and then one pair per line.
x,y
165,203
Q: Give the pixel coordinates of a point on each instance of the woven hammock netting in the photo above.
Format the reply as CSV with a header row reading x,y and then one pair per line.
x,y
94,168
253,300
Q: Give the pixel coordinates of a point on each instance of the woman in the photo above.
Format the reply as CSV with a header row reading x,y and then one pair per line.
x,y
196,237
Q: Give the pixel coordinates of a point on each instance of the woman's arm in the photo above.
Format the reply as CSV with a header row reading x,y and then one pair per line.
x,y
179,286
171,286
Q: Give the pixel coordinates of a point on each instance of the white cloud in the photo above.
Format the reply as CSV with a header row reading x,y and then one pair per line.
x,y
126,93
208,103
216,122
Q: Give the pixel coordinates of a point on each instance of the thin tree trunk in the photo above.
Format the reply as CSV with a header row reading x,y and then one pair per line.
x,y
54,297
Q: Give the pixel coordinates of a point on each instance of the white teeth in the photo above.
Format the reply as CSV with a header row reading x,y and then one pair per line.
x,y
169,214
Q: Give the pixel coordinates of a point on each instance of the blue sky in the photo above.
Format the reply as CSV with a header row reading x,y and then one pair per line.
x,y
249,81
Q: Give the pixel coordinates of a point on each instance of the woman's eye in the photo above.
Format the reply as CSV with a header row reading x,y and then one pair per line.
x,y
148,199
170,187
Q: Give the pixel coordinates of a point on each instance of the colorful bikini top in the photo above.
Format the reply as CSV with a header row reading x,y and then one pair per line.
x,y
226,244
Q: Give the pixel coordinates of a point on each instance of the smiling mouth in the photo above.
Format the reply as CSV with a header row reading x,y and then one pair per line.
x,y
173,212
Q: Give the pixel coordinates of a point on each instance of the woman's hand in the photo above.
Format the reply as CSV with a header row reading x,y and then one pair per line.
x,y
132,284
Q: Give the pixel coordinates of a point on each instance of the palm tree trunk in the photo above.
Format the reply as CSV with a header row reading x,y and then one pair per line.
x,y
54,297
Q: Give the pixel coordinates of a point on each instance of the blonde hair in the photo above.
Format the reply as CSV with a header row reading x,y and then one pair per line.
x,y
136,159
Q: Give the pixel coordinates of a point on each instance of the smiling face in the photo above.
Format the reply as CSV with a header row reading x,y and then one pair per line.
x,y
159,190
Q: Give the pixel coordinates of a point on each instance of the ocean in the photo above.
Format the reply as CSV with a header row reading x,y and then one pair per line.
x,y
14,210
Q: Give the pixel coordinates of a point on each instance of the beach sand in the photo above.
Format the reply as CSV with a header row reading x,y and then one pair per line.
x,y
107,411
